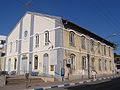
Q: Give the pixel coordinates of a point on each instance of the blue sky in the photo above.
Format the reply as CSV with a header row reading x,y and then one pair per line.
x,y
99,16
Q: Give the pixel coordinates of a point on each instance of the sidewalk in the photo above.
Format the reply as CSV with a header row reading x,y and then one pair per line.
x,y
45,85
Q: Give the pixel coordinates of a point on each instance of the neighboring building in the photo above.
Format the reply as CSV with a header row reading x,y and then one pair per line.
x,y
117,61
2,51
43,43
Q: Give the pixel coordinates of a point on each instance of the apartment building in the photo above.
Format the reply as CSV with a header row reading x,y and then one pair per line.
x,y
44,44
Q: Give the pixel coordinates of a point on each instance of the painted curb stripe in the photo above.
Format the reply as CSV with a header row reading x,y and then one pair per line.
x,y
66,84
71,84
38,89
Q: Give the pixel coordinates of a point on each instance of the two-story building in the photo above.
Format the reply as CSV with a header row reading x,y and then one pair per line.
x,y
44,44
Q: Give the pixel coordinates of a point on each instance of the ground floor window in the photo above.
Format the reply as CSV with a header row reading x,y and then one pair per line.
x,y
83,62
100,65
105,65
36,62
15,64
72,56
92,64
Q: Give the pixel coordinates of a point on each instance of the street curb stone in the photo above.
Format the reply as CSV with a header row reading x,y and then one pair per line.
x,y
72,84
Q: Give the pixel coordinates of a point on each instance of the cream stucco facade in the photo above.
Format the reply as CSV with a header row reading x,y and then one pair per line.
x,y
41,43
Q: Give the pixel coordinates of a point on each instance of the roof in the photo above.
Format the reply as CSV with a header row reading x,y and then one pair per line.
x,y
86,32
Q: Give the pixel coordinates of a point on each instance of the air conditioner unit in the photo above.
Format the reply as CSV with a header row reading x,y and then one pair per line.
x,y
69,61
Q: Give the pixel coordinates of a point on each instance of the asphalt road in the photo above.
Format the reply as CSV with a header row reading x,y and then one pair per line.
x,y
110,84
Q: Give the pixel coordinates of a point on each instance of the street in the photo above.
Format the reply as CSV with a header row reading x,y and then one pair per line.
x,y
95,85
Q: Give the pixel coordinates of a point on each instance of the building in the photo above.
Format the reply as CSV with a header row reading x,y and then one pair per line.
x,y
43,43
2,51
117,61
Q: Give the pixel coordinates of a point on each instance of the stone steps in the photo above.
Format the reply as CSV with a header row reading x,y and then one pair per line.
x,y
21,80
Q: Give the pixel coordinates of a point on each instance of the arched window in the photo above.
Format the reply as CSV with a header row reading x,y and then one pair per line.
x,y
105,65
92,45
99,45
15,64
9,64
46,37
110,65
83,42
109,52
35,62
83,62
10,47
71,38
72,56
104,49
93,63
37,40
16,45
100,65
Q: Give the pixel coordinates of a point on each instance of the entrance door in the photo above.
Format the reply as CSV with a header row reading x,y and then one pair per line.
x,y
23,65
45,64
9,64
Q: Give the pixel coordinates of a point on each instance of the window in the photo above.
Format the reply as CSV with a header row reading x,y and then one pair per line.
x,y
105,65
71,38
51,67
37,40
92,45
104,50
100,65
83,42
92,63
99,48
10,47
25,33
36,62
15,64
46,37
109,52
110,65
72,56
83,62
16,45
2,42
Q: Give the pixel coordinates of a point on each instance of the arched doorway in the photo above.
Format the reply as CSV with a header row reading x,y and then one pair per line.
x,y
45,63
24,65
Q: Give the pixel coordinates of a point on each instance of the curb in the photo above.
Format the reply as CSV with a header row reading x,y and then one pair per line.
x,y
72,84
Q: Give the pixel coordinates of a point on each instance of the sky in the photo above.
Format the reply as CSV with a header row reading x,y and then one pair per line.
x,y
101,17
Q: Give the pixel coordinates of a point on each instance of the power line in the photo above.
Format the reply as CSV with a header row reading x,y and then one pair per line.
x,y
101,13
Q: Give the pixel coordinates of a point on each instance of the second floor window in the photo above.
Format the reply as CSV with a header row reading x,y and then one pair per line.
x,y
99,47
10,47
37,40
71,38
109,52
83,42
92,45
104,49
16,45
46,37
